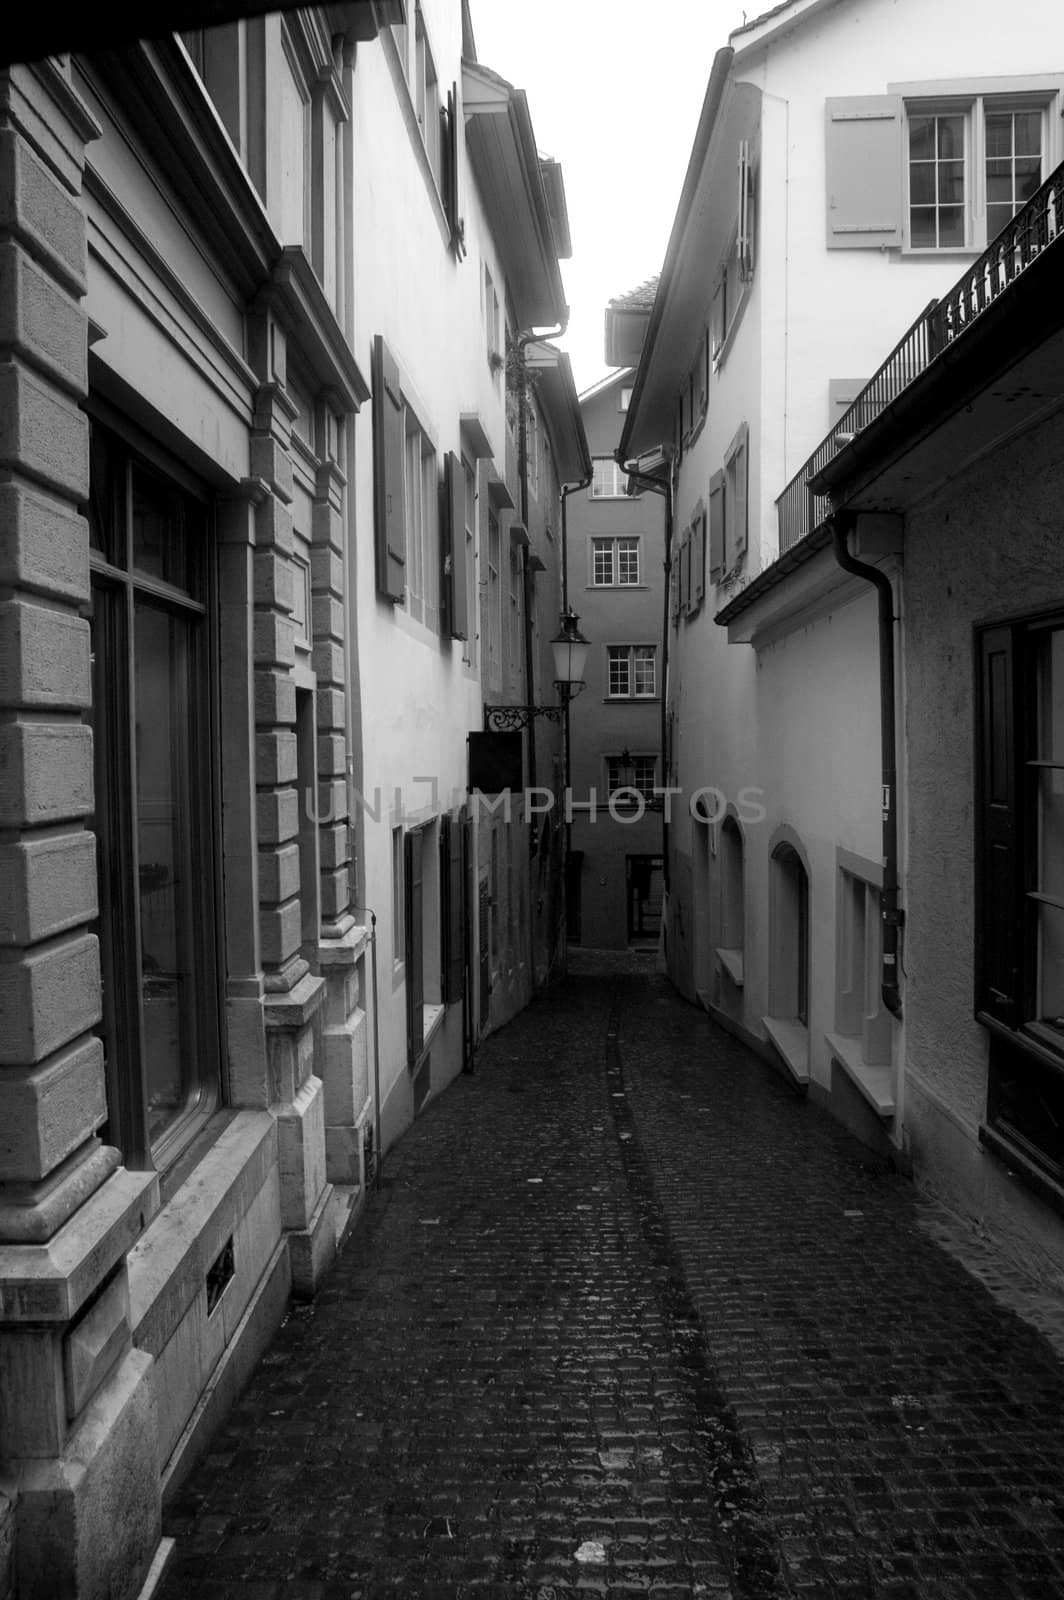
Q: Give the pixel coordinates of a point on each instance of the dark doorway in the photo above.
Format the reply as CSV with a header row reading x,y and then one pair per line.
x,y
643,877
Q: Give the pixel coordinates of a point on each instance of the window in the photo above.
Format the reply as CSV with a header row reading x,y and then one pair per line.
x,y
406,498
515,651
938,167
862,1035
608,481
631,671
632,772
615,562
694,396
151,565
398,900
728,510
789,978
625,399
493,621
421,499
970,169
427,97
1020,882
422,938
470,493
492,322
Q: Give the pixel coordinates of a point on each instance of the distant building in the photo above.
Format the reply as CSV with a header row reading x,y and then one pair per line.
x,y
616,552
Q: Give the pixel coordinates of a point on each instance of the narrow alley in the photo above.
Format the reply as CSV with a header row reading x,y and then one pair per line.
x,y
628,1317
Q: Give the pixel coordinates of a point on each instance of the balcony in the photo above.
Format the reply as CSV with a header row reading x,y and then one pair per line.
x,y
1031,230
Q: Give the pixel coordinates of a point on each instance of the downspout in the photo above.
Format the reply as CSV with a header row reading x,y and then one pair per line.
x,y
664,488
893,916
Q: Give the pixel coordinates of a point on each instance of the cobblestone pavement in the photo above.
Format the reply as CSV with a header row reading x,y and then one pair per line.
x,y
629,1319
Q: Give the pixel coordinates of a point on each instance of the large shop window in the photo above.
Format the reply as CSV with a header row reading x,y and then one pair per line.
x,y
154,819
1020,883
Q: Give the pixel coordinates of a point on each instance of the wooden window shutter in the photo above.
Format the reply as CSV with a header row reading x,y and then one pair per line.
x,y
685,572
741,505
864,172
999,892
716,527
451,136
744,244
452,877
414,953
388,448
453,595
698,557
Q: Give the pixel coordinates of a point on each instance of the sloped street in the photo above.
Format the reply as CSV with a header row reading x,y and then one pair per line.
x,y
628,1318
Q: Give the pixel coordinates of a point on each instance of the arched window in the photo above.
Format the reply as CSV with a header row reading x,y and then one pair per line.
x,y
732,912
790,936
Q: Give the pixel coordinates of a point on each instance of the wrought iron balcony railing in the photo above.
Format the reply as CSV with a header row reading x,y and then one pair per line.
x,y
1031,230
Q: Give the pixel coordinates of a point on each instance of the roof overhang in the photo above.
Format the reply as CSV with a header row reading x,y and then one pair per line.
x,y
705,218
31,33
560,405
626,330
509,173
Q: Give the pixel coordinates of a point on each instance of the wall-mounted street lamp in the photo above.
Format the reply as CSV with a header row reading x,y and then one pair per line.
x,y
570,653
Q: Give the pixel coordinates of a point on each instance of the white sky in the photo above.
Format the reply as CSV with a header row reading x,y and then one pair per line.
x,y
614,89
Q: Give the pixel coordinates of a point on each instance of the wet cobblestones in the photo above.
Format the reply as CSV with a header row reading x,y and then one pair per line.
x,y
630,1320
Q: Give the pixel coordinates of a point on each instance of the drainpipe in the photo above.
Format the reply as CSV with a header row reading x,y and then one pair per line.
x,y
663,487
893,916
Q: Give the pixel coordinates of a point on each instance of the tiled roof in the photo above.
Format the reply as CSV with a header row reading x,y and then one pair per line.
x,y
640,298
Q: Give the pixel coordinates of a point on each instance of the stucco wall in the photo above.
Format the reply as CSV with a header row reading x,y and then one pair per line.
x,y
987,546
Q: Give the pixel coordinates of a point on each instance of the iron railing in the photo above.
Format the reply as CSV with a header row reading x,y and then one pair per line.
x,y
1031,230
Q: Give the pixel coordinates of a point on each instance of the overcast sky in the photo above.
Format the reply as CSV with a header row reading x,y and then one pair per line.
x,y
614,95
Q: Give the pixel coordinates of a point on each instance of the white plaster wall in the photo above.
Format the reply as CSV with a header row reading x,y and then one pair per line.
x,y
971,555
418,700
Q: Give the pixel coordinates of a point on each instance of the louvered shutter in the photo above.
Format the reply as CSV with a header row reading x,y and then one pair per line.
x,y
716,527
698,557
744,244
451,136
864,172
452,877
388,445
454,598
685,573
414,953
740,508
999,898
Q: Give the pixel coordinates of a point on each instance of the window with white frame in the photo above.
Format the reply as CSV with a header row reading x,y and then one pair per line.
x,y
639,772
608,481
970,168
631,671
421,506
615,562
427,97
938,166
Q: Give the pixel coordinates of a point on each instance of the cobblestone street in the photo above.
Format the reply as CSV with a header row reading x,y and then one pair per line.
x,y
629,1318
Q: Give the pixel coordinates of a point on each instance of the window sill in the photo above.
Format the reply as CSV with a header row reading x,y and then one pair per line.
x,y
431,1021
791,1039
622,588
731,962
876,1084
630,699
1021,1165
